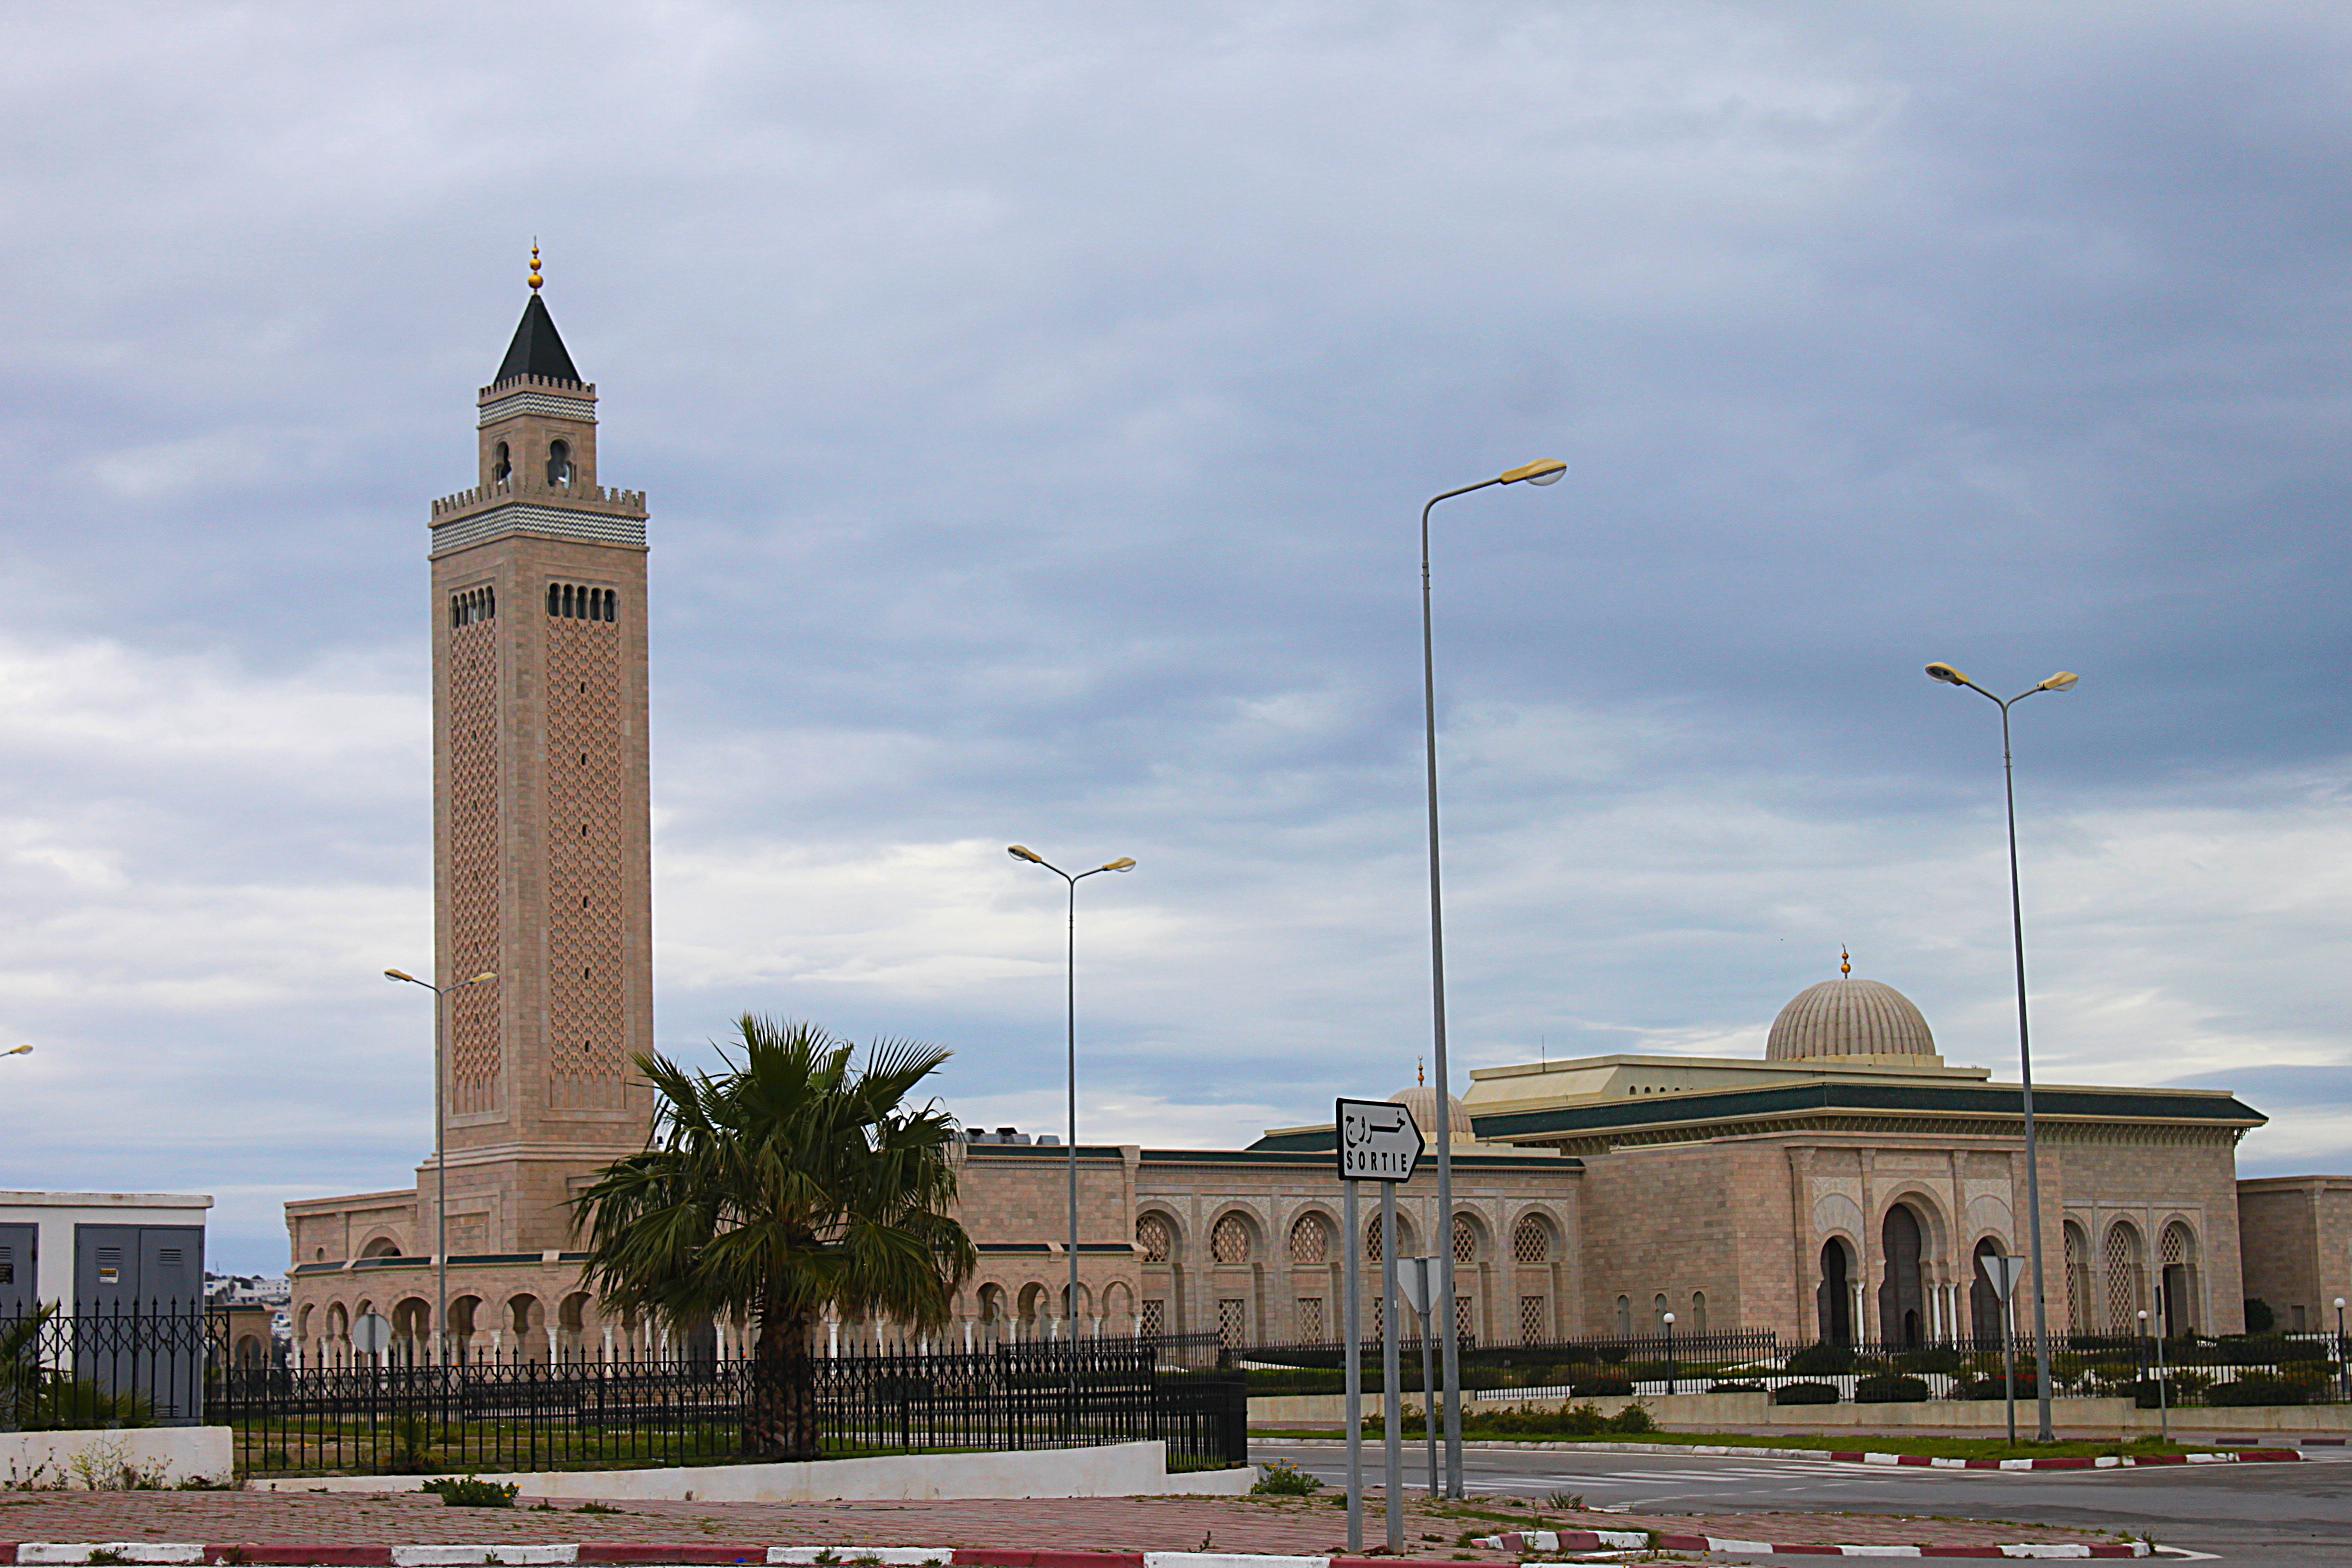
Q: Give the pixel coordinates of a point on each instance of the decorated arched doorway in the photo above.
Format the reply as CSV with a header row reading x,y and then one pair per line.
x,y
1984,1303
1902,1299
1834,1301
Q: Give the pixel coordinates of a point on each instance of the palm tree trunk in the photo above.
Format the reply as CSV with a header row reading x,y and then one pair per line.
x,y
781,1412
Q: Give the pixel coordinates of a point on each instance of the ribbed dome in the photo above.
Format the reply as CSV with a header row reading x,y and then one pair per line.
x,y
1849,1018
1421,1101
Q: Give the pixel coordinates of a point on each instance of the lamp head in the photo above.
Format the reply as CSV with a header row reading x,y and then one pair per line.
x,y
2064,680
400,974
1669,1320
1123,863
1940,671
1024,852
484,978
1543,471
2339,1299
26,1050
2143,1314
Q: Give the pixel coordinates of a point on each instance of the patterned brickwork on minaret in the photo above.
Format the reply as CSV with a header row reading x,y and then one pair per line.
x,y
542,831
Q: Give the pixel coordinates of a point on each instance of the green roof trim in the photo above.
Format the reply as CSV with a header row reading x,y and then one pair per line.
x,y
1055,1151
2217,1107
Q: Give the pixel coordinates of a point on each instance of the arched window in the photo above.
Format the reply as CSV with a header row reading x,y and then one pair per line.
x,y
1531,1242
1156,1237
559,463
1229,1240
1465,1240
2126,1264
554,598
2176,1259
501,464
1658,1309
612,605
1310,1239
1698,1318
1624,1317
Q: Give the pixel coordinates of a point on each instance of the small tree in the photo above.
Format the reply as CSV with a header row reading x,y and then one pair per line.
x,y
791,1182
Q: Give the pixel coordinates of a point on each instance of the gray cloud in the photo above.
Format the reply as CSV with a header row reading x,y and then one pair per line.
x,y
1035,406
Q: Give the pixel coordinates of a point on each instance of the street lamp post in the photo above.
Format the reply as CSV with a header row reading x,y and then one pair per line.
x,y
1070,982
443,1001
1543,471
2343,1367
1671,1379
2064,680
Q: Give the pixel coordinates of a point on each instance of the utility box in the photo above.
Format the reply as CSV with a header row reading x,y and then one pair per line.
x,y
125,1272
20,1267
149,1269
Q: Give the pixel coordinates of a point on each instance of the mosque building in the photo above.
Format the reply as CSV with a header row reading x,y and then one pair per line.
x,y
1843,1187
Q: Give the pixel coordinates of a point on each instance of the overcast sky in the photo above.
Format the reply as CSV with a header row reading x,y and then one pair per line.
x,y
1035,404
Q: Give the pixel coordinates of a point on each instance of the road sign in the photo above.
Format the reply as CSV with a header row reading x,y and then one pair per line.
x,y
370,1334
2002,1274
1377,1141
1413,1282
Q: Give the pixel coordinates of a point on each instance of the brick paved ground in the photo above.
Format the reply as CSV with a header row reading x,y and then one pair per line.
x,y
1296,1525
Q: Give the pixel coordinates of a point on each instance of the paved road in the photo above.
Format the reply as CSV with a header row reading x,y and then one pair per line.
x,y
2251,1514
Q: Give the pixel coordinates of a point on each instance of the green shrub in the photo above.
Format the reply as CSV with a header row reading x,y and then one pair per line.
x,y
472,1492
1602,1386
1653,1371
2259,1318
1735,1387
1822,1360
2257,1388
1990,1387
1887,1388
1284,1479
2304,1350
1805,1394
1633,1419
1937,1358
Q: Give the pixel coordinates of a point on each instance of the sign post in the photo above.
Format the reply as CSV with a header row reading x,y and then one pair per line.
x,y
1377,1142
2002,1274
1417,1278
1352,1246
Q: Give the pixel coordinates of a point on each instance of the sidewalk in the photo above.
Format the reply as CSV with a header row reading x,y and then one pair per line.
x,y
1312,1526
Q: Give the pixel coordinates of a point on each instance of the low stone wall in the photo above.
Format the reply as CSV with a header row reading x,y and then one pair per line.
x,y
1114,1470
116,1460
2087,1417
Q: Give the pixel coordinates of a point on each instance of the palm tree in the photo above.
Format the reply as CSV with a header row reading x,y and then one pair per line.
x,y
791,1182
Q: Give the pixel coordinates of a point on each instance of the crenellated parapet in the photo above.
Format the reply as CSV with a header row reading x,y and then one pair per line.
x,y
597,498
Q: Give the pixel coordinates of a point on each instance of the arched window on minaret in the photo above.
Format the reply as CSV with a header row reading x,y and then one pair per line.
x,y
552,598
612,605
559,463
501,464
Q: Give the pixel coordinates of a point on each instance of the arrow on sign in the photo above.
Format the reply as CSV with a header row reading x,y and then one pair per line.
x,y
1378,1141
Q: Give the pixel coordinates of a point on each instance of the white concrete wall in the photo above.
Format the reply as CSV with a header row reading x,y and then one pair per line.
x,y
57,1213
1116,1470
110,1461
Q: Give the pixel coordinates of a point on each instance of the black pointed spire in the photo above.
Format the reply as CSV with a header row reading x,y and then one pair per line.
x,y
537,349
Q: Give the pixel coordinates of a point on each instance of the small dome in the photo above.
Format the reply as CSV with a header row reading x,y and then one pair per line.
x,y
1849,1017
1421,1101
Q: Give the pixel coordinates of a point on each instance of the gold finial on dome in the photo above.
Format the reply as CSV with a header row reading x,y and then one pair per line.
x,y
536,280
1420,1077
1845,962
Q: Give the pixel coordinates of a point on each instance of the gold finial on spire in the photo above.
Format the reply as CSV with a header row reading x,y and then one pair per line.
x,y
1420,1077
1845,962
536,280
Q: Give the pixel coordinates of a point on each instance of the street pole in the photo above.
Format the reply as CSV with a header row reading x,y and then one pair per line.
x,y
1354,1313
444,1005
441,1008
2064,680
1542,472
2343,1366
1671,1379
2009,1359
1070,1016
1391,1397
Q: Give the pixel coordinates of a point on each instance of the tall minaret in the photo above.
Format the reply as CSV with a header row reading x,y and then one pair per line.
x,y
541,825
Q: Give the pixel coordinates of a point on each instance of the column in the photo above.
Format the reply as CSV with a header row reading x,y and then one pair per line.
x,y
833,1339
1862,1327
551,1356
967,1336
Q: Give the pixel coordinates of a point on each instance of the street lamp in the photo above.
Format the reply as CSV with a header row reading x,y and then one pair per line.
x,y
1070,978
443,1003
17,1050
2064,680
2163,1401
1671,1379
2343,1367
1543,471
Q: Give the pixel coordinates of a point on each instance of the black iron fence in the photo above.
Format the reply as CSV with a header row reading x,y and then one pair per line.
x,y
595,1415
1579,1368
136,1366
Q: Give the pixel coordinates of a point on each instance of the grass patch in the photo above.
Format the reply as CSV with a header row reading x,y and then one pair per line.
x,y
1842,1442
